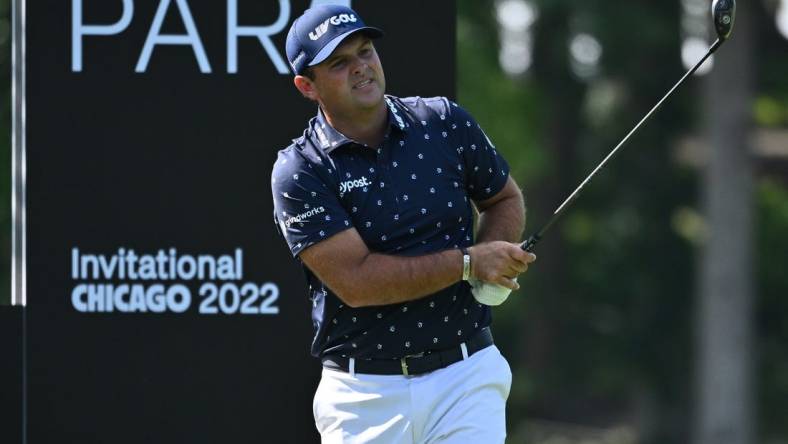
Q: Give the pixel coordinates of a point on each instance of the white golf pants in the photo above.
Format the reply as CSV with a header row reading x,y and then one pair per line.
x,y
464,403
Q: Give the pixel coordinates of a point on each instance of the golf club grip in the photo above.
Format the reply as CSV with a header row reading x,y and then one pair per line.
x,y
530,243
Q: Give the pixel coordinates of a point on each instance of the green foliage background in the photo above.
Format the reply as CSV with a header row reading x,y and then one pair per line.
x,y
601,332
5,151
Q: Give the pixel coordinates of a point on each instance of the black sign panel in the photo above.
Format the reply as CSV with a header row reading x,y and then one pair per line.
x,y
162,305
11,373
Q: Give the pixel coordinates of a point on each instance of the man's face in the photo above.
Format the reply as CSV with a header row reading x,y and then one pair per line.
x,y
351,79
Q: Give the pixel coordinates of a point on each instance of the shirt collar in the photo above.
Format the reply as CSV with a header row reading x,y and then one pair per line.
x,y
329,138
396,120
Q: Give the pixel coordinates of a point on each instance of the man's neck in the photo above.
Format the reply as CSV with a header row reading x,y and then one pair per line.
x,y
367,127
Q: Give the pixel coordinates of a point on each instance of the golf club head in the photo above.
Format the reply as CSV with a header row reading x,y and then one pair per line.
x,y
724,13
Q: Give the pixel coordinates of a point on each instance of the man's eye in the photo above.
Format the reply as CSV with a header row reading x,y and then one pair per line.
x,y
366,51
338,64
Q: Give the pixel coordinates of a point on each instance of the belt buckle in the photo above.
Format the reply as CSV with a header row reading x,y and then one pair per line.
x,y
404,362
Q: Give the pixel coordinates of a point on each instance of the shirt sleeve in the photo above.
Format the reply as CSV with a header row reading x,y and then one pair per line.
x,y
306,208
486,171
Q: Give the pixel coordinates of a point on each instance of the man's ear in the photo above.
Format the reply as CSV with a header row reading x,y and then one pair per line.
x,y
306,87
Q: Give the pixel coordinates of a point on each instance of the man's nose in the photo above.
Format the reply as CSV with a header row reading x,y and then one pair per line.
x,y
359,66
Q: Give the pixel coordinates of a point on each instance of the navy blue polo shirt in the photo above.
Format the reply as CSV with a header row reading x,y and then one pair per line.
x,y
410,196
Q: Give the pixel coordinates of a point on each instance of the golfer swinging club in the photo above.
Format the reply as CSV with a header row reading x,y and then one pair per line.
x,y
375,200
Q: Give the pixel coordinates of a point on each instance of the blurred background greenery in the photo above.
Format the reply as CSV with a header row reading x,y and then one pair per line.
x,y
5,152
609,336
606,338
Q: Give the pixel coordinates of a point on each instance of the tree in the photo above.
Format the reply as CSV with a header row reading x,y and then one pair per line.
x,y
724,338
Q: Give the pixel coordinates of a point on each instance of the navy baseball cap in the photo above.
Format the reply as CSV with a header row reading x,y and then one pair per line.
x,y
317,33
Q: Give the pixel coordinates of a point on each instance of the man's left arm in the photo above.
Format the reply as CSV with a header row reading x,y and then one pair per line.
x,y
502,214
502,217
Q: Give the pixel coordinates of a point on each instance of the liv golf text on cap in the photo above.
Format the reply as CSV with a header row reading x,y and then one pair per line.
x,y
315,35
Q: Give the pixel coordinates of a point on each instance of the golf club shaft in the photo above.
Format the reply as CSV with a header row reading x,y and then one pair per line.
x,y
529,244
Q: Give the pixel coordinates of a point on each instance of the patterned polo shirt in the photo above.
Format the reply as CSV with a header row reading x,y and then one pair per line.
x,y
410,196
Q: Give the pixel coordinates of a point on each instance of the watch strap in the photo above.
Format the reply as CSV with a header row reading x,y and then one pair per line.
x,y
466,263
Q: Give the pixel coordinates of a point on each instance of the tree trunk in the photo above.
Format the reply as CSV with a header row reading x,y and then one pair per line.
x,y
724,406
565,92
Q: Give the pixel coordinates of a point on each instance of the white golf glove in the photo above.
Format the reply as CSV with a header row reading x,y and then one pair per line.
x,y
488,293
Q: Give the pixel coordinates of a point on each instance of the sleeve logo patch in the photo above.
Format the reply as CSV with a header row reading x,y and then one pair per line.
x,y
304,216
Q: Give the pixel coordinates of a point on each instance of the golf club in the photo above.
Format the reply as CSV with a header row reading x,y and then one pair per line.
x,y
724,14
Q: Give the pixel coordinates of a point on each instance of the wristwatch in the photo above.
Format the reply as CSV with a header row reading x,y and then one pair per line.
x,y
466,263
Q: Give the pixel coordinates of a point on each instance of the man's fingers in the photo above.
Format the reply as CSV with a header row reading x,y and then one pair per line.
x,y
492,262
526,257
508,283
517,268
521,256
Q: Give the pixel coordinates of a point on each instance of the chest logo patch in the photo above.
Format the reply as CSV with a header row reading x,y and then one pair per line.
x,y
348,185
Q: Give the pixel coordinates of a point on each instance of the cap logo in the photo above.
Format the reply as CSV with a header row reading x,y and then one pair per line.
x,y
321,29
297,60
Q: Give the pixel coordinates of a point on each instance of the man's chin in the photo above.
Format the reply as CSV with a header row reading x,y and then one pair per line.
x,y
370,99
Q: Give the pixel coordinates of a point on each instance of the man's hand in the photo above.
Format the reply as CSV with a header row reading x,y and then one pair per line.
x,y
495,267
499,262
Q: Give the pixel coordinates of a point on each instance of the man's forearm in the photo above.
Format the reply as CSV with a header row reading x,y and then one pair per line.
x,y
386,279
504,220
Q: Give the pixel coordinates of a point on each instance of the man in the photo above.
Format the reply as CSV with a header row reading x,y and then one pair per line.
x,y
375,199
